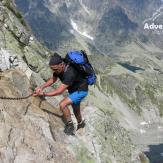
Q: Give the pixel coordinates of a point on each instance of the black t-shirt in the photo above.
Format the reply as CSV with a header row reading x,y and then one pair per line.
x,y
72,78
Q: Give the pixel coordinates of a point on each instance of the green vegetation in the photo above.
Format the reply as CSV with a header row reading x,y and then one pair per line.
x,y
151,91
12,44
113,138
9,5
83,155
109,88
121,85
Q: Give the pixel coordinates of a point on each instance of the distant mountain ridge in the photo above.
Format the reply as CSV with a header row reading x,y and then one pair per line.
x,y
111,23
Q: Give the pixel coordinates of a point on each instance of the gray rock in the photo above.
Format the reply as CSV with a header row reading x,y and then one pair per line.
x,y
25,129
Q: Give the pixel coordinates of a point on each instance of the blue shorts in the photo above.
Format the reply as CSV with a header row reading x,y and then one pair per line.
x,y
78,96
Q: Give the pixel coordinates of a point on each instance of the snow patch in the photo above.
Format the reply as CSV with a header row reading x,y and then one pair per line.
x,y
160,127
75,27
31,39
68,3
71,31
84,7
143,123
142,131
86,35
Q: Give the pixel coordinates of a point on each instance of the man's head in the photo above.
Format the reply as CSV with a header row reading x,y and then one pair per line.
x,y
56,63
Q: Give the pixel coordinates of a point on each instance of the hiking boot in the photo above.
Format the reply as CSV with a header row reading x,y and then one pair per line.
x,y
81,124
69,129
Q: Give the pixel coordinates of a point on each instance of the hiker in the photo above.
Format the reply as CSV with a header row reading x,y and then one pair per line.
x,y
77,87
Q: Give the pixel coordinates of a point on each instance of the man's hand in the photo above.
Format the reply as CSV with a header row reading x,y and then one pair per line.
x,y
38,90
38,94
34,94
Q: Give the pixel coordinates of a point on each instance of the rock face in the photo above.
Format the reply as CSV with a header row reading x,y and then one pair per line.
x,y
26,130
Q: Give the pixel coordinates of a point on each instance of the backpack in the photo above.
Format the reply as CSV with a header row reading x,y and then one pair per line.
x,y
80,61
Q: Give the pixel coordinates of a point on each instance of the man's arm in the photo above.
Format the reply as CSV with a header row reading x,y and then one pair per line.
x,y
47,84
57,91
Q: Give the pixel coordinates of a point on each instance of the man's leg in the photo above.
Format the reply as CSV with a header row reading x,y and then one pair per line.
x,y
69,128
64,108
77,113
76,98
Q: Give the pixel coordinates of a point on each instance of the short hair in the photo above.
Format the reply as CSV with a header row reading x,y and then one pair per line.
x,y
55,59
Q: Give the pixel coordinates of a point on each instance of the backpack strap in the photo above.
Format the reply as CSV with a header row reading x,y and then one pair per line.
x,y
85,55
67,65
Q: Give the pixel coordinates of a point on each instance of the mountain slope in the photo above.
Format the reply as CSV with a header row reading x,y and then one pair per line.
x,y
105,24
125,105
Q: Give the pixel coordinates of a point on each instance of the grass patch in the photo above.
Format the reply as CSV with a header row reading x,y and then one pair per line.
x,y
83,155
109,88
150,91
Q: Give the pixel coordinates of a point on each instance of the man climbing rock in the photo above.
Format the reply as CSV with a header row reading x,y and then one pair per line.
x,y
77,87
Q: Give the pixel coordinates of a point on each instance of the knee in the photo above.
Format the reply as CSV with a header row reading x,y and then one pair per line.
x,y
62,105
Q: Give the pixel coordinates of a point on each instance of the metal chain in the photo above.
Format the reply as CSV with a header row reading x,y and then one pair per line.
x,y
16,98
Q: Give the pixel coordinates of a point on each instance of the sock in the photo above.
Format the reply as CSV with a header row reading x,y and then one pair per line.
x,y
80,122
69,122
